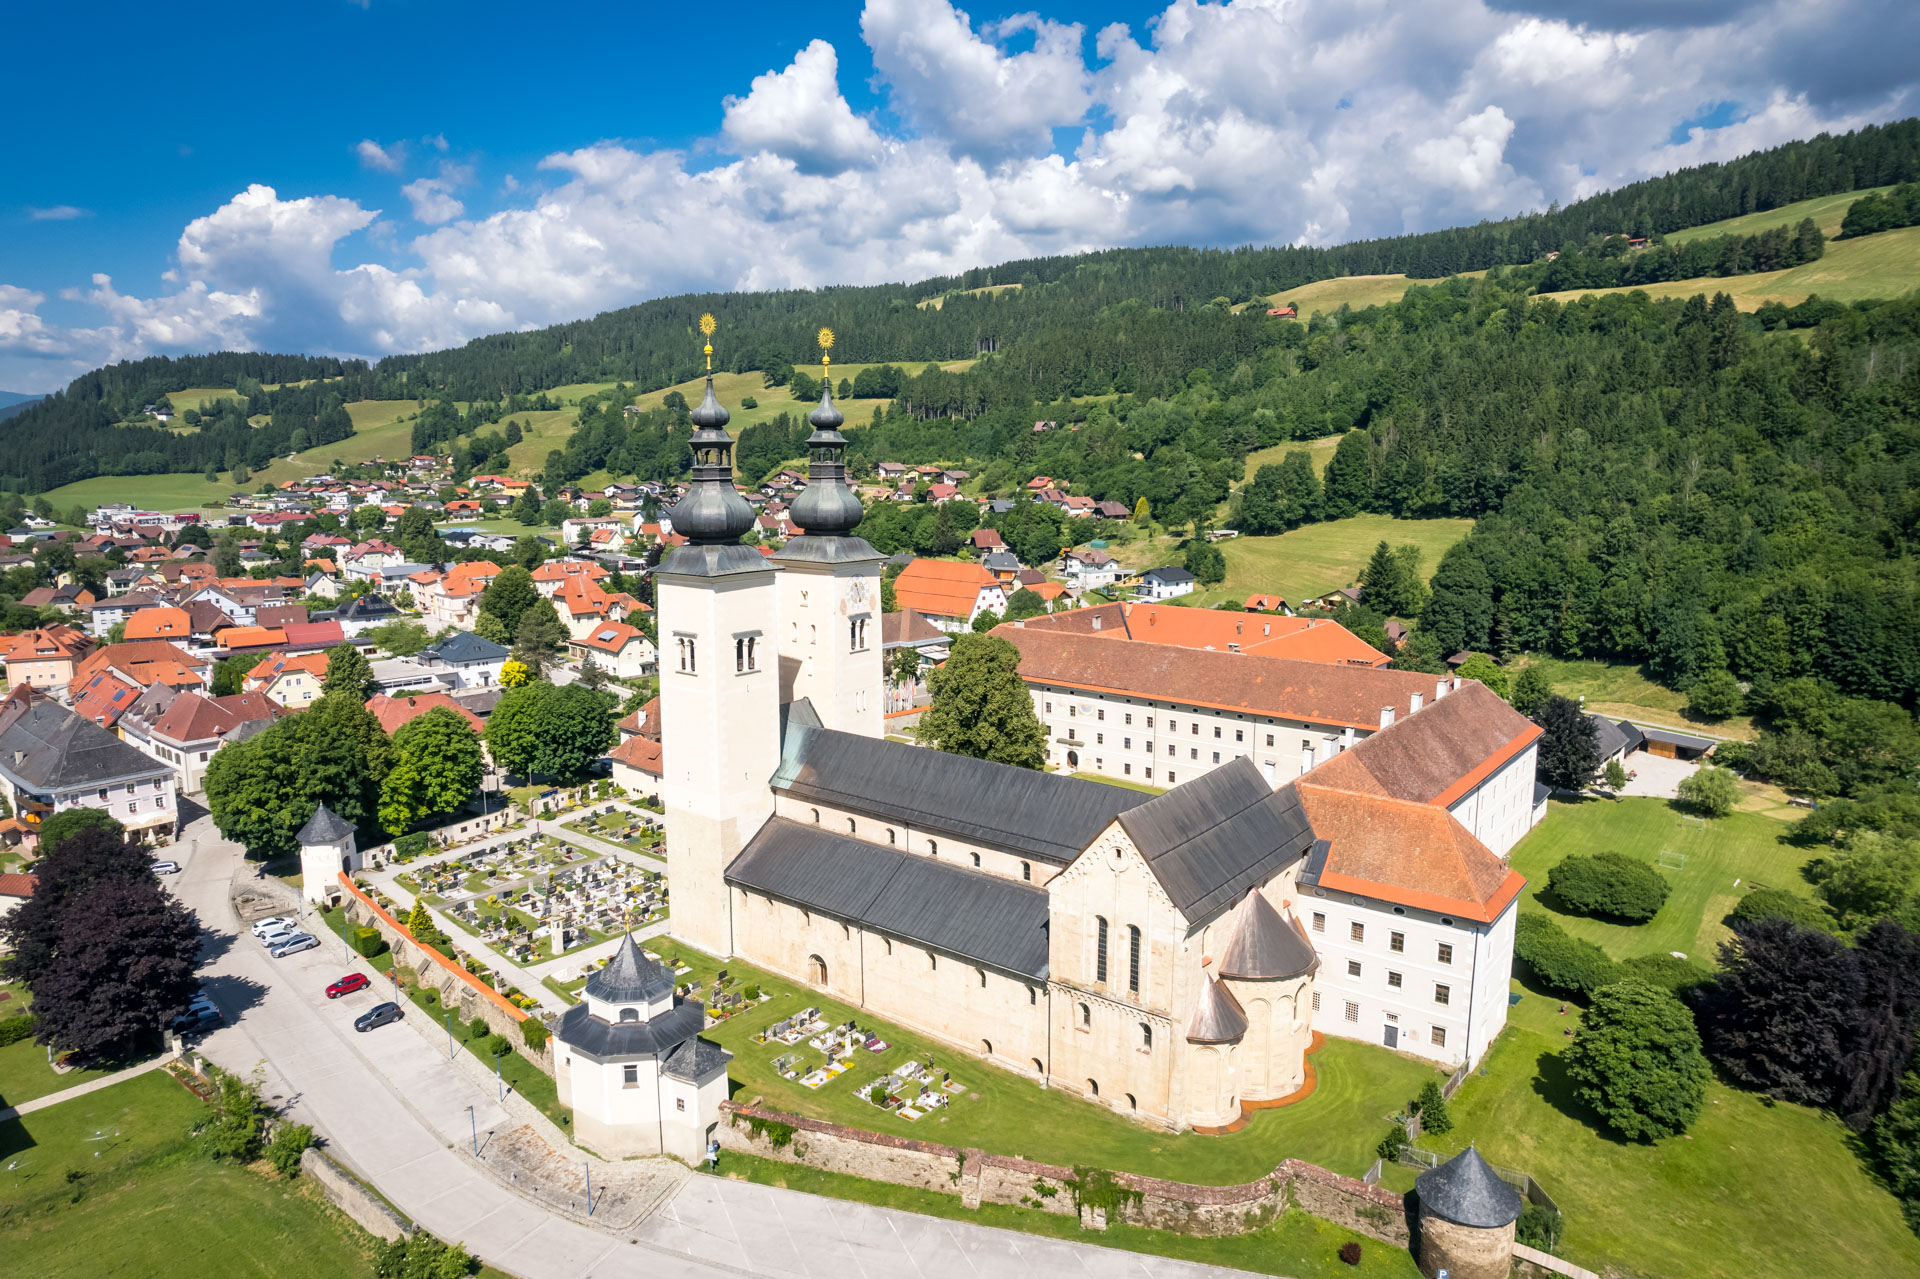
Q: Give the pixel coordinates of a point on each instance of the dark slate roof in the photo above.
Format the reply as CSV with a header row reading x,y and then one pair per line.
x,y
838,549
712,559
47,747
631,978
363,608
480,701
1466,1191
1635,738
1171,574
695,1060
1043,815
465,646
324,827
1211,839
1541,792
597,1037
1672,738
950,908
1607,736
1217,1015
1264,946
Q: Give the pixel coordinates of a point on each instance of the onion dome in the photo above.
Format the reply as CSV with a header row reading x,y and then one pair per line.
x,y
1468,1192
828,508
1265,946
713,512
1217,1017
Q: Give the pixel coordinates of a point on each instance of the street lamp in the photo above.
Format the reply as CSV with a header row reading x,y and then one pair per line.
x,y
497,1081
475,1121
589,1187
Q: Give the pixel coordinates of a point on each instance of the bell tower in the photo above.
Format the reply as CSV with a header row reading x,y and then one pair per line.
x,y
830,648
719,683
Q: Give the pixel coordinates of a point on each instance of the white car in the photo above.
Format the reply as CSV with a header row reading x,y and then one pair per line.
x,y
166,868
295,944
273,937
273,923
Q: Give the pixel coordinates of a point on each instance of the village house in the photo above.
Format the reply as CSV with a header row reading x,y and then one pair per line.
x,y
949,593
1165,583
465,660
45,658
622,651
186,735
52,760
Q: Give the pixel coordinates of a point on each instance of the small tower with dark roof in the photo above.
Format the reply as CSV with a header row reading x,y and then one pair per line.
x,y
1269,966
719,682
830,649
1215,1035
1467,1216
632,1066
326,850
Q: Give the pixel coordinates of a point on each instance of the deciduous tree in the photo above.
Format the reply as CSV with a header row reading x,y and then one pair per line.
x,y
508,596
981,706
549,731
1569,755
437,768
1636,1060
348,673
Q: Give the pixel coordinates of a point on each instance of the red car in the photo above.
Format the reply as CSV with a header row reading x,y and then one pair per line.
x,y
348,984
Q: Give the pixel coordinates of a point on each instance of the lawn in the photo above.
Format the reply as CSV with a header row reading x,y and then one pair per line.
x,y
1317,558
1754,1191
25,1074
1356,291
1827,211
1621,690
1296,1244
1725,857
1337,1127
1319,453
1886,265
937,303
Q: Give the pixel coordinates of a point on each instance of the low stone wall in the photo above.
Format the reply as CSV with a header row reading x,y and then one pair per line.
x,y
459,990
978,1177
345,1192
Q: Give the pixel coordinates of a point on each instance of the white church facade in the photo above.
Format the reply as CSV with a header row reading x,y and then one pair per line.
x,y
1168,956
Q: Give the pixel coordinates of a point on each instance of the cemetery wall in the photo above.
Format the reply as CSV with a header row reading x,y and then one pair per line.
x,y
978,1178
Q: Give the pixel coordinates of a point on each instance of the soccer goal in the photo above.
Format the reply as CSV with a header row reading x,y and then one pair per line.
x,y
1670,860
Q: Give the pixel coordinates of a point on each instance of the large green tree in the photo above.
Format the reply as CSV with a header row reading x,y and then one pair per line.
x,y
508,596
68,822
981,706
437,767
261,791
1636,1060
542,730
1569,754
349,674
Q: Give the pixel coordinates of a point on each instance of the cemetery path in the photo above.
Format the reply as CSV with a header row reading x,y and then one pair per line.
x,y
398,1111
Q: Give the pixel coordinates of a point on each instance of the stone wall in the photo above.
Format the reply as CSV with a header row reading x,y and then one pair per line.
x,y
977,1177
345,1192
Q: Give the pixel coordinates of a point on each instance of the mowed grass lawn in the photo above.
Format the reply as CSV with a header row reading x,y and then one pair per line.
x,y
1356,291
1621,690
1827,212
1337,1127
1319,453
1726,857
1317,558
1885,265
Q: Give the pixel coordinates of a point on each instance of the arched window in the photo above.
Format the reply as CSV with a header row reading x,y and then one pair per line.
x,y
1100,950
852,827
1086,1017
890,838
1131,1103
1133,959
853,634
933,847
817,970
739,655
816,817
986,1048
1146,1037
1093,1087
1039,1067
629,1014
1026,870
976,861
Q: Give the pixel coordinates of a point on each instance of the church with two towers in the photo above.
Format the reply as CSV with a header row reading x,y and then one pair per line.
x,y
1172,957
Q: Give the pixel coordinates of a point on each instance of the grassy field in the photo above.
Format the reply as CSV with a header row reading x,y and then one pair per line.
x,y
937,303
25,1074
1621,690
1886,265
1827,211
1319,452
1356,291
1725,857
1318,558
1336,1127
1296,1244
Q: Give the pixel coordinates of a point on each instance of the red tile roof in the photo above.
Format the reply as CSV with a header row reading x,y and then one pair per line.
x,y
392,712
15,884
158,623
942,588
641,752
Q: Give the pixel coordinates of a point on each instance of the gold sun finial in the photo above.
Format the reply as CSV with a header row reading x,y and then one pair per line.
x,y
707,326
825,338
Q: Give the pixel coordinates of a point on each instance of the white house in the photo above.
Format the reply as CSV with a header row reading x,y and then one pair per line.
x,y
1090,570
1165,583
52,760
622,651
464,660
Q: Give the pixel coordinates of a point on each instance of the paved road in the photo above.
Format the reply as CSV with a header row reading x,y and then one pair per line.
x,y
396,1110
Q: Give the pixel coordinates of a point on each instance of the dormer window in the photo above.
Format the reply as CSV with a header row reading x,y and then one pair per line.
x,y
629,1014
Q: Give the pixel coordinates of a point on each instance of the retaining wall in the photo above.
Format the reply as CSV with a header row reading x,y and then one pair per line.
x,y
977,1177
345,1192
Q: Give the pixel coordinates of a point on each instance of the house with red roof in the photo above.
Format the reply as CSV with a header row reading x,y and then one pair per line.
x,y
622,651
949,593
399,709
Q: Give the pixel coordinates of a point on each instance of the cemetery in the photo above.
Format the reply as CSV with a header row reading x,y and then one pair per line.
x,y
537,897
635,832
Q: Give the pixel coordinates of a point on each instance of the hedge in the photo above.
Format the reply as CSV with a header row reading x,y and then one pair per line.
x,y
1562,962
367,942
1609,884
410,845
16,1028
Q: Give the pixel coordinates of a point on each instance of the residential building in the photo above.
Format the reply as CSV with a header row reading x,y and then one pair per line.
x,y
193,727
1165,583
289,679
949,593
45,658
393,712
622,651
464,660
52,760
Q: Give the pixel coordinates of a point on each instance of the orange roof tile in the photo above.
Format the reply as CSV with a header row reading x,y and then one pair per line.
x,y
1408,853
393,712
641,752
943,588
611,637
251,637
158,623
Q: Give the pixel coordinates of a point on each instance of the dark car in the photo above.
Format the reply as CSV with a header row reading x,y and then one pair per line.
x,y
347,985
200,1015
378,1015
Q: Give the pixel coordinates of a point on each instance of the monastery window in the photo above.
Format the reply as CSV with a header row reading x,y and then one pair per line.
x,y
1101,714
852,827
986,1048
1126,770
1216,731
1169,777
1099,739
1026,871
816,817
1438,1036
1269,739
1196,728
1146,1038
890,838
630,1076
1093,1087
1193,752
1353,968
1393,980
1073,712
1049,708
1129,717
1126,743
1172,749
1239,734
1216,757
976,861
1319,922
1353,1011
1100,950
1086,1017
679,1103
1306,744
1356,932
1397,943
1149,721
1446,952
1133,959
1442,994
1149,772
1131,1103
1173,725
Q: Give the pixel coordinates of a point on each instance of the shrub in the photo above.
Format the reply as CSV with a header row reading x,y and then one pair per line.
x,y
1432,1106
1562,962
1716,695
290,1141
534,1032
1609,884
408,846
1669,972
1636,1060
1616,775
750,993
1761,903
421,1256
477,1028
16,1028
368,942
877,1094
1394,1144
430,996
1539,1227
1350,1252
1712,791
498,1046
234,1130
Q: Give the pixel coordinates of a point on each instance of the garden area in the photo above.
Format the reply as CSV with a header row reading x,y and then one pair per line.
x,y
1360,1086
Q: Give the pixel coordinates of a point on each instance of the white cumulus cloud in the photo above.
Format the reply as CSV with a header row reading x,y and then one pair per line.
x,y
800,113
375,156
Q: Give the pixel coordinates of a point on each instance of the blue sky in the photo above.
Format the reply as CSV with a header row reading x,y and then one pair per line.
x,y
406,174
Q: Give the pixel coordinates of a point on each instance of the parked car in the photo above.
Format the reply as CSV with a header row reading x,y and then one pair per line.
x,y
347,985
166,868
200,1015
273,923
273,937
378,1015
295,944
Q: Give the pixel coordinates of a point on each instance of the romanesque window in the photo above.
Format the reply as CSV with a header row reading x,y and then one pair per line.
x,y
890,838
1146,1038
1086,1017
816,817
853,827
1133,959
933,847
976,861
1446,952
1442,994
1100,950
